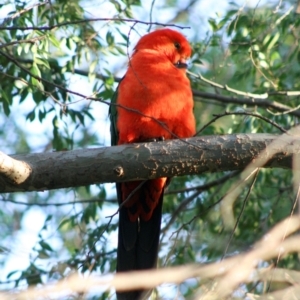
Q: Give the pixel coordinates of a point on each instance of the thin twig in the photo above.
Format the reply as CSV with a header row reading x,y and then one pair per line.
x,y
199,189
206,186
17,42
258,100
57,203
22,11
240,214
256,115
50,27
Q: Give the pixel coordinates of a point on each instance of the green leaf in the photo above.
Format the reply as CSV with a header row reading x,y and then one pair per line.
x,y
42,115
110,38
213,24
42,62
44,245
31,116
54,41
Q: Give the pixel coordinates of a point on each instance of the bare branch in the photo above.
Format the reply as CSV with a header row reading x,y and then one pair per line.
x,y
205,186
22,11
258,162
244,113
143,161
266,103
229,89
197,191
43,204
14,170
227,274
269,246
250,99
28,41
15,61
241,213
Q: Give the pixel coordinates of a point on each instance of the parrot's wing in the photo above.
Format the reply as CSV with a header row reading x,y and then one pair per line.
x,y
113,115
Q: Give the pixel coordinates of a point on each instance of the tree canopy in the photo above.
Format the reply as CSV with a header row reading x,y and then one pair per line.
x,y
60,63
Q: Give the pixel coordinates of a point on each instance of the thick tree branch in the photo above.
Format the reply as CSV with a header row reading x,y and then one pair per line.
x,y
152,160
15,171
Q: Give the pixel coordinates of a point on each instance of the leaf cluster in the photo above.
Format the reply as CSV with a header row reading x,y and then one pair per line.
x,y
59,69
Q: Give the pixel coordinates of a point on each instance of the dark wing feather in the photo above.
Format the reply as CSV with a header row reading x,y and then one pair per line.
x,y
113,115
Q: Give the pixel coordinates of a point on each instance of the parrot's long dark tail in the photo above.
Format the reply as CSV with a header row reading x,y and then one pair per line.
x,y
137,245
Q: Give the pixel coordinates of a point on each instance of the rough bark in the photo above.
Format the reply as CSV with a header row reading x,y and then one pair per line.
x,y
152,160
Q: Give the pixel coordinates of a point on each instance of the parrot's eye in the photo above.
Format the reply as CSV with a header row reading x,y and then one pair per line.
x,y
177,45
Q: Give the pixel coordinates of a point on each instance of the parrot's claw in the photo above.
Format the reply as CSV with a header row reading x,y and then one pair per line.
x,y
157,139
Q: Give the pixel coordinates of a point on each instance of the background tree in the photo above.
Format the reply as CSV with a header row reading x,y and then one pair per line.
x,y
60,63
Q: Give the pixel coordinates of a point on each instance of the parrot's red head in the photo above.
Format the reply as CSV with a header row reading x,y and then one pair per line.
x,y
169,42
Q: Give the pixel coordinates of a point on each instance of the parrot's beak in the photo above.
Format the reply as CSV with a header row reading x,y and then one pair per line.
x,y
181,64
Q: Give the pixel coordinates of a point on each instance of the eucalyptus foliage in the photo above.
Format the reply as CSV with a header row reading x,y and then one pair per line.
x,y
60,62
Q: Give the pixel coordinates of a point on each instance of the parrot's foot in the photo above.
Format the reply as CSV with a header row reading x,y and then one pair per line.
x,y
157,139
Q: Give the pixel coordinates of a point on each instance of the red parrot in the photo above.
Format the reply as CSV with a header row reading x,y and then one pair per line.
x,y
153,101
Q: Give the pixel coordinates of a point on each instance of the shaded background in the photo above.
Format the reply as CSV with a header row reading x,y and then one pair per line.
x,y
250,46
